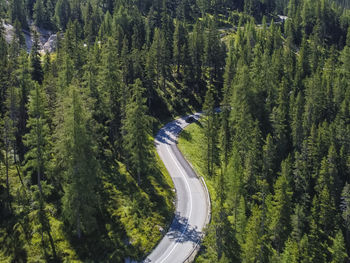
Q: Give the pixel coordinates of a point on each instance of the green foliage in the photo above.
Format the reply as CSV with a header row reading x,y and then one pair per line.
x,y
210,127
37,139
277,154
35,61
41,15
62,13
338,249
80,166
136,132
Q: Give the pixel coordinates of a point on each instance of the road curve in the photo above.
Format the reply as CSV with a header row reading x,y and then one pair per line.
x,y
192,200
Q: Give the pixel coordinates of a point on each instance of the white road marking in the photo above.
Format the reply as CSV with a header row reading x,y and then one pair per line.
x,y
189,190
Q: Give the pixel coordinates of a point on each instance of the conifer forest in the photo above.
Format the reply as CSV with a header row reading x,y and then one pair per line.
x,y
85,85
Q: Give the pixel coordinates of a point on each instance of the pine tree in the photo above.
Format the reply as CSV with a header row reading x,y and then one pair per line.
x,y
279,119
37,157
291,252
269,161
62,13
298,222
35,60
167,25
210,127
214,54
280,209
76,14
92,20
20,84
296,121
302,179
109,96
345,208
157,57
40,15
234,191
17,12
75,154
196,50
253,249
338,249
179,42
225,132
4,63
136,132
7,137
324,213
18,40
37,140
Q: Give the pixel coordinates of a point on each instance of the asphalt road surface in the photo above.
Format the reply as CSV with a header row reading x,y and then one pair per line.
x,y
192,201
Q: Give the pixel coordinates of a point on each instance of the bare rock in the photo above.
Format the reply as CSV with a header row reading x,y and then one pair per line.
x,y
51,44
47,39
9,32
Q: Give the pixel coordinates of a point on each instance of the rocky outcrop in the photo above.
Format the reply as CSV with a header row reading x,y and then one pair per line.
x,y
47,39
51,44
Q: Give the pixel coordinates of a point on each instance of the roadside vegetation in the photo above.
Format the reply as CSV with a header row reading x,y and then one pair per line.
x,y
79,178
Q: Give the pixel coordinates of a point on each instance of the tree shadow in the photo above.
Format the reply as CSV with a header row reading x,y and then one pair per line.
x,y
182,232
199,124
168,133
186,135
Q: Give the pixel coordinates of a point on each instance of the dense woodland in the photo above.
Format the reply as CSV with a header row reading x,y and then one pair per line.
x,y
79,179
279,150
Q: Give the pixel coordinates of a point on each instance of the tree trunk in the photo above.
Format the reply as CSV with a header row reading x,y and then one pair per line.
x,y
7,177
19,175
138,178
39,161
78,225
52,244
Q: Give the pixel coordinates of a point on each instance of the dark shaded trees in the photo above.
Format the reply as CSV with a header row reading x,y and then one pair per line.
x,y
136,133
76,153
35,61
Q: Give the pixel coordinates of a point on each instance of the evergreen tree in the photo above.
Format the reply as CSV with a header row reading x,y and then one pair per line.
x,y
253,249
17,102
345,207
196,50
37,140
7,135
179,42
338,249
158,53
92,20
109,96
269,161
41,18
279,119
17,12
35,60
214,54
4,63
280,209
37,157
210,127
18,40
291,252
296,121
136,132
76,156
62,13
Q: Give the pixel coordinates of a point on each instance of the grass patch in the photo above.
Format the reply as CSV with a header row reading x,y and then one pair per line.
x,y
190,143
130,218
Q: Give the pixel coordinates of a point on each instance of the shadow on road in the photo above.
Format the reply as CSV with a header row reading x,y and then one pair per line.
x,y
182,232
168,132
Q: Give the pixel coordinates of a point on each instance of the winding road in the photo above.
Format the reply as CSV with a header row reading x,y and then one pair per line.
x,y
181,242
